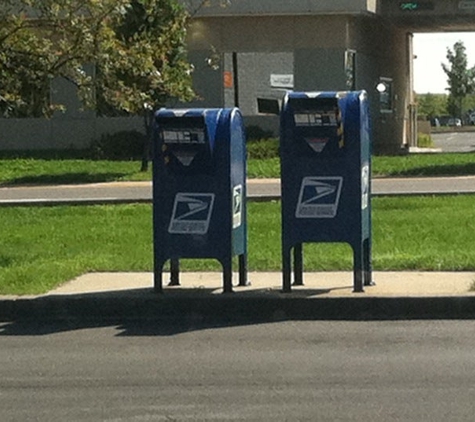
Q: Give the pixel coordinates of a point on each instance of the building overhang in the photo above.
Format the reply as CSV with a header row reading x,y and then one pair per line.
x,y
430,15
234,8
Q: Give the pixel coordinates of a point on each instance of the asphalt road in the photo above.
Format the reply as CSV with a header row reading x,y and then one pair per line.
x,y
282,371
455,142
257,189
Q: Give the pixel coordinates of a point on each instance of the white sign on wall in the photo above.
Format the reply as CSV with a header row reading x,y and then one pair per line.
x,y
467,5
282,81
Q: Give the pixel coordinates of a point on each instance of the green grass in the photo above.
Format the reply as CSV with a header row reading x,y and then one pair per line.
x,y
73,170
70,168
413,165
43,247
31,171
445,164
262,169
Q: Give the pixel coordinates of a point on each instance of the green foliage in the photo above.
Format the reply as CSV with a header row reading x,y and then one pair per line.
x,y
143,62
138,47
469,103
262,149
454,105
460,78
41,40
431,105
424,140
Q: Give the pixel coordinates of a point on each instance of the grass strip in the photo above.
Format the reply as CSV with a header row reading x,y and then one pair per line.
x,y
41,248
33,171
413,165
37,171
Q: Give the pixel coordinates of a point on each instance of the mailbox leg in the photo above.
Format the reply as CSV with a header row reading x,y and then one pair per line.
x,y
227,275
174,272
286,270
367,264
158,277
243,281
298,265
358,269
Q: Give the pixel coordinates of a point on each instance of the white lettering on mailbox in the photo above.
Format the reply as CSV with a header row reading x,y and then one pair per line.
x,y
365,186
184,136
319,197
237,206
191,213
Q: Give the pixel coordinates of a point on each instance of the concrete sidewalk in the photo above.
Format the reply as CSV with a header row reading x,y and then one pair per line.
x,y
316,284
102,297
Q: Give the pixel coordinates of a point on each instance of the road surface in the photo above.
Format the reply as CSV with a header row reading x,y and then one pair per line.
x,y
455,141
282,371
257,189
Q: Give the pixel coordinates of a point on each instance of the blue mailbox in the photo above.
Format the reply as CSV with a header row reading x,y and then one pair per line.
x,y
325,156
199,190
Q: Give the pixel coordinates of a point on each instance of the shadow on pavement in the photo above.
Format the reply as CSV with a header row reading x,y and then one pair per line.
x,y
65,179
467,169
140,312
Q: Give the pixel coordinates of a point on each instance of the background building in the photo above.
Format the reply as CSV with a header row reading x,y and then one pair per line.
x,y
248,52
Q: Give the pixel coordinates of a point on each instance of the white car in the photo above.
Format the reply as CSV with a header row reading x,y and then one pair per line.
x,y
454,122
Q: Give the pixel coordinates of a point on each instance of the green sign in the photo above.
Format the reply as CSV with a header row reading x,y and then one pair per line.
x,y
416,5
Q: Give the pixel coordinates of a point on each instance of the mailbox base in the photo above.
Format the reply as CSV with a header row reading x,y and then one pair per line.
x,y
362,268
227,274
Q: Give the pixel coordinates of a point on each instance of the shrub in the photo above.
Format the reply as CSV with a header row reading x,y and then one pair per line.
x,y
424,141
124,145
254,133
263,148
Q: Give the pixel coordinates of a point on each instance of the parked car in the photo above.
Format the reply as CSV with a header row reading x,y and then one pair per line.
x,y
453,121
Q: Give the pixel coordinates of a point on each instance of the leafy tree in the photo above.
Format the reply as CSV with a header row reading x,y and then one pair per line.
x,y
137,46
460,78
44,39
142,63
432,105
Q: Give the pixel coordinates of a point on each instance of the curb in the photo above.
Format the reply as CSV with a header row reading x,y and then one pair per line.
x,y
224,309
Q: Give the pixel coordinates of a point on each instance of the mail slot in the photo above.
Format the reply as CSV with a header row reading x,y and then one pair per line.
x,y
325,153
186,146
199,190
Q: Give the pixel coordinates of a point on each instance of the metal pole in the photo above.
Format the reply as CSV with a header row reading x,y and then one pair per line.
x,y
235,79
